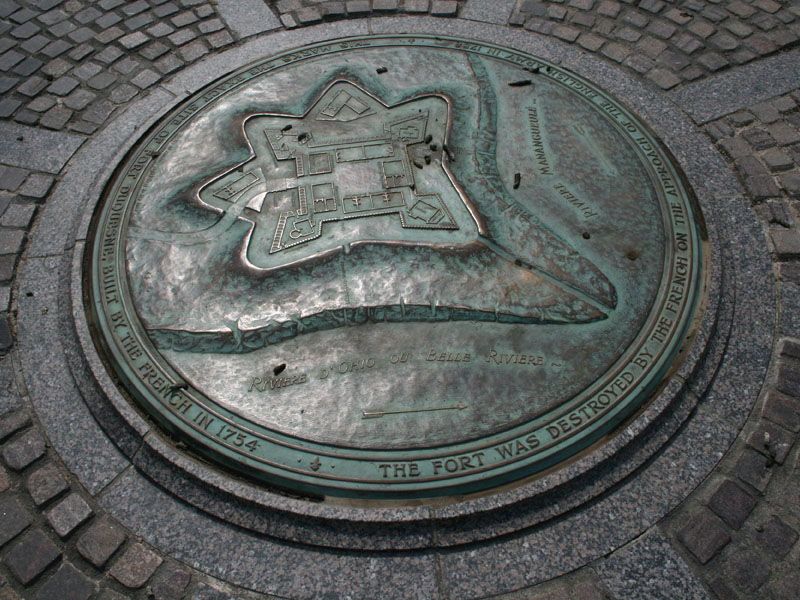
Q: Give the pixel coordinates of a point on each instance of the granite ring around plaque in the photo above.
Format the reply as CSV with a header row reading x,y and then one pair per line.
x,y
395,267
603,495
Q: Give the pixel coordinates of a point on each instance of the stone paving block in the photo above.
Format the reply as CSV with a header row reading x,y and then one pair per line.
x,y
721,586
56,118
662,30
713,61
138,21
25,31
776,537
771,441
747,570
11,178
133,40
135,566
443,8
153,51
13,422
758,138
210,26
108,20
134,8
164,10
11,241
166,64
191,52
68,514
45,483
777,160
109,35
762,188
783,133
61,29
6,341
247,17
145,79
5,481
308,16
219,39
203,11
732,504
649,569
704,535
663,78
41,104
782,410
8,106
752,469
791,183
101,81
126,66
108,55
18,215
171,584
81,35
98,112
184,19
30,556
63,85
569,34
67,583
13,519
24,450
79,99
785,587
123,93
99,542
182,36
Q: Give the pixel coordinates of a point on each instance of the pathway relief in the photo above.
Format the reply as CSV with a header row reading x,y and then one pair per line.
x,y
95,504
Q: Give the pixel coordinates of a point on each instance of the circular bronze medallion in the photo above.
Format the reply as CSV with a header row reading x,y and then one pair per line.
x,y
395,267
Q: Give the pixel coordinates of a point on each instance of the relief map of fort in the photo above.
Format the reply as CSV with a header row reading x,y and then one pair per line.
x,y
371,229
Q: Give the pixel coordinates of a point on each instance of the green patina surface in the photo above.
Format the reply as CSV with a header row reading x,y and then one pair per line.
x,y
395,267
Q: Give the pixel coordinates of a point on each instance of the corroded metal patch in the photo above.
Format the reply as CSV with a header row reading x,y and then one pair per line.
x,y
395,267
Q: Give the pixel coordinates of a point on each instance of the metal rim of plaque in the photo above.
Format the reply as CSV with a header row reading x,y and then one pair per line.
x,y
169,370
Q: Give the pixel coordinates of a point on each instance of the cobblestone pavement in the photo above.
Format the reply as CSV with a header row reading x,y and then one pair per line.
x,y
70,66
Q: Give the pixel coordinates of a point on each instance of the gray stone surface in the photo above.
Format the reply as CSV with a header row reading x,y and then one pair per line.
x,y
247,17
71,428
32,148
650,569
259,563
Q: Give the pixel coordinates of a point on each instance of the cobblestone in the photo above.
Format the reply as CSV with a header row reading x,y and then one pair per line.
x,y
704,536
732,504
45,483
68,514
776,537
24,450
135,566
30,556
747,571
100,541
66,584
13,520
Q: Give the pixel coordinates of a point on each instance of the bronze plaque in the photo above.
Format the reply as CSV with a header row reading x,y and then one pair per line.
x,y
395,267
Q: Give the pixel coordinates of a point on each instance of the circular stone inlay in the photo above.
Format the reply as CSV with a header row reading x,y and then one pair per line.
x,y
395,267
